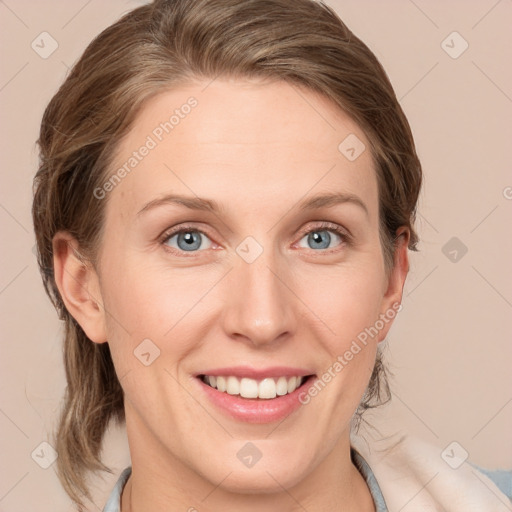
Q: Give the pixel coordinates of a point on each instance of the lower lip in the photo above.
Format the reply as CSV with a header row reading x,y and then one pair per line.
x,y
256,410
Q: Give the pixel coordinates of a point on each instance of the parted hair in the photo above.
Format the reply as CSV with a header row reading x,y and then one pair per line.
x,y
155,47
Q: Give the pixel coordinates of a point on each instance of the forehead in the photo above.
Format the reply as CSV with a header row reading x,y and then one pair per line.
x,y
241,142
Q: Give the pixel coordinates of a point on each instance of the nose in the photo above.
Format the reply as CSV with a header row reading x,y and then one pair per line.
x,y
260,306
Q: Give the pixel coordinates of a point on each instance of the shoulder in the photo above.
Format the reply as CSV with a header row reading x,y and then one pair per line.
x,y
501,477
420,476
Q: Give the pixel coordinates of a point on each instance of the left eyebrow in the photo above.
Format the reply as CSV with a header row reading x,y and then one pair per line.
x,y
330,200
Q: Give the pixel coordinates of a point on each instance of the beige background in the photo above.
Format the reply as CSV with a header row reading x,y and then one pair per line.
x,y
450,348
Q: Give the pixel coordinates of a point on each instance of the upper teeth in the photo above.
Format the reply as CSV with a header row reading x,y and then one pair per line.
x,y
250,388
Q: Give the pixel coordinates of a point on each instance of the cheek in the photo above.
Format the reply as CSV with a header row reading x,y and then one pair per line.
x,y
348,302
351,312
149,307
347,299
154,302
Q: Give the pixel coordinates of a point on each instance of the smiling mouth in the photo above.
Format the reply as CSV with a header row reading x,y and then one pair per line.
x,y
266,389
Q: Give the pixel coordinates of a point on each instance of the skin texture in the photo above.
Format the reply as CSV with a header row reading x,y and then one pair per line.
x,y
258,149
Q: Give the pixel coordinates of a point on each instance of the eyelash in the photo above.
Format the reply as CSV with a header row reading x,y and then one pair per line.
x,y
322,226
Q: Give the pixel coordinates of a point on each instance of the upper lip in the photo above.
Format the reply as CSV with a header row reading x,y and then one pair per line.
x,y
257,373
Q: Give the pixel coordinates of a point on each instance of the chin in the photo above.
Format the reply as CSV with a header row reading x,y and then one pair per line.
x,y
259,482
264,477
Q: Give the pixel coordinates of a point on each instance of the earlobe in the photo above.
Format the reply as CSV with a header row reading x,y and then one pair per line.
x,y
400,268
78,285
391,302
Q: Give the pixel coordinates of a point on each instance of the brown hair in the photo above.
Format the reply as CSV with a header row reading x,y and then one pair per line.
x,y
156,47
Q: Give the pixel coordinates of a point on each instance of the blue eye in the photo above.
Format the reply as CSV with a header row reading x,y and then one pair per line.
x,y
321,238
186,240
190,239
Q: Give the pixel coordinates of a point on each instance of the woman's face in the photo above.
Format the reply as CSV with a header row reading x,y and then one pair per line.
x,y
258,287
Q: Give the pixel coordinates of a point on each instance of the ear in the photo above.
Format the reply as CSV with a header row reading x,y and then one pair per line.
x,y
78,284
392,299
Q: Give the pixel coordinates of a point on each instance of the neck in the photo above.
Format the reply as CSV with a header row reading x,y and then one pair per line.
x,y
160,482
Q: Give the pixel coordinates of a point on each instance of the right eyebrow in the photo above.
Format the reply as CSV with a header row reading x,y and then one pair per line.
x,y
193,203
